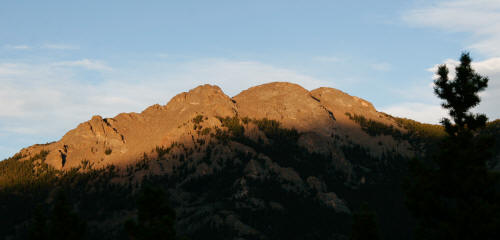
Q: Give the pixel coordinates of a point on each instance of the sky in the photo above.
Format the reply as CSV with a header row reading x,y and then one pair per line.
x,y
61,62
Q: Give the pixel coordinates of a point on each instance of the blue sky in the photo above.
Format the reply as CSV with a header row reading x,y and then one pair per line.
x,y
62,62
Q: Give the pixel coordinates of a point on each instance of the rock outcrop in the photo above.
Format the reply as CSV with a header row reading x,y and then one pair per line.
x,y
319,114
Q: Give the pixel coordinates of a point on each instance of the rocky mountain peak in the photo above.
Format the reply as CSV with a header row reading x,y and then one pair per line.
x,y
274,89
202,92
318,114
288,103
204,99
342,100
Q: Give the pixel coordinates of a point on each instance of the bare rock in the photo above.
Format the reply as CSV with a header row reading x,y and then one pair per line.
x,y
288,103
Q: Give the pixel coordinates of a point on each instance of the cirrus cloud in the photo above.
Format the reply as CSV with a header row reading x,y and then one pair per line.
x,y
17,47
425,107
60,46
481,18
42,101
85,63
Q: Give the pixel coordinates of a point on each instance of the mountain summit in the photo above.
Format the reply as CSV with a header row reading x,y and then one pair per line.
x,y
123,139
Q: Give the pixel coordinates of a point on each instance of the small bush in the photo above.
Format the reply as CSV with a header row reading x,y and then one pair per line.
x,y
233,126
245,120
108,151
273,130
162,151
198,119
374,128
205,131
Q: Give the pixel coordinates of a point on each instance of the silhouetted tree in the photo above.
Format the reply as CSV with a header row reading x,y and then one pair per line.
x,y
155,218
364,226
455,196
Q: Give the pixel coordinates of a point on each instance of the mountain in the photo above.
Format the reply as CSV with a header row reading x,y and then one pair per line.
x,y
317,115
274,162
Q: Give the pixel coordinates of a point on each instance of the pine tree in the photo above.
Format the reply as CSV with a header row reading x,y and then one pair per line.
x,y
364,225
455,196
38,228
64,222
155,218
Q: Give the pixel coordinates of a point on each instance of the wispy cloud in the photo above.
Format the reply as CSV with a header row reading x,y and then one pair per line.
x,y
9,69
327,59
45,46
17,47
42,101
85,63
491,96
36,88
382,66
489,67
235,76
163,55
424,106
481,18
60,46
428,113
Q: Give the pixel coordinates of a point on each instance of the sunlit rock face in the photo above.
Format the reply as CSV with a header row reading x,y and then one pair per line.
x,y
121,140
287,103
